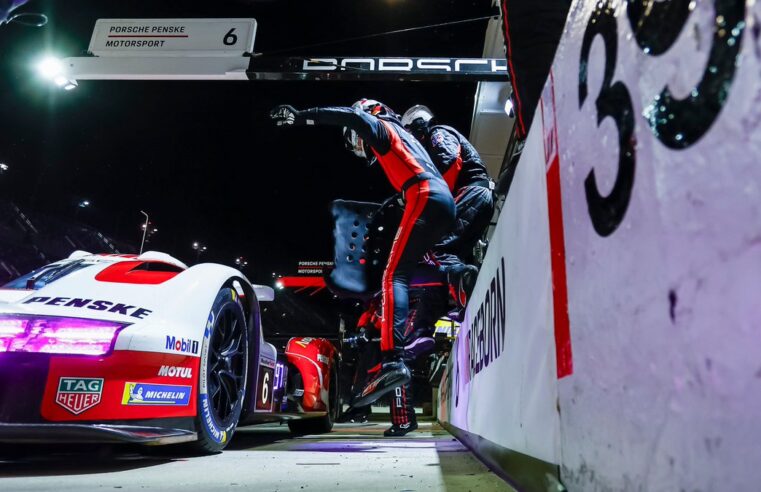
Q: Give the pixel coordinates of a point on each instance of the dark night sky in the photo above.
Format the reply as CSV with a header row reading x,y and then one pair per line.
x,y
203,158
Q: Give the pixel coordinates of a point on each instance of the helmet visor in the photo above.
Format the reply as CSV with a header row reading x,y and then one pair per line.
x,y
353,142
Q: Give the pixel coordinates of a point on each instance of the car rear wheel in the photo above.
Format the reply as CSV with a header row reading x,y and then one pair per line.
x,y
321,425
222,374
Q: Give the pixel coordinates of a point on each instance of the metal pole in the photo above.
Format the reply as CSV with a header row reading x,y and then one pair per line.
x,y
145,229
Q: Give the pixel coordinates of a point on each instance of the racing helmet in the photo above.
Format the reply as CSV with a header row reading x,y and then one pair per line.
x,y
353,141
416,120
375,108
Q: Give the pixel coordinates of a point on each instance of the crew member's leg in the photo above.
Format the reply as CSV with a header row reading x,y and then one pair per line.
x,y
403,419
428,214
474,208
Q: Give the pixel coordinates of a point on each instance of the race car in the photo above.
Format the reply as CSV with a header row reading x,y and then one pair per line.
x,y
143,349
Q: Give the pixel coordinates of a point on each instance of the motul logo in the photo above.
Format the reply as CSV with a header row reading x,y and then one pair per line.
x,y
176,372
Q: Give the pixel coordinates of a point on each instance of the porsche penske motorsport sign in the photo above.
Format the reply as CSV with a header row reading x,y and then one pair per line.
x,y
173,37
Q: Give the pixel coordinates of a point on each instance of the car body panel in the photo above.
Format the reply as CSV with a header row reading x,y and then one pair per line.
x,y
149,378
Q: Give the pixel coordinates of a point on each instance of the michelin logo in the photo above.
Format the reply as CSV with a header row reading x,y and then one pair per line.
x,y
155,394
186,346
217,434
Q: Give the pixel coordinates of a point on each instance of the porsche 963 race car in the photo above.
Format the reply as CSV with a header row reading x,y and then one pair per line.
x,y
143,349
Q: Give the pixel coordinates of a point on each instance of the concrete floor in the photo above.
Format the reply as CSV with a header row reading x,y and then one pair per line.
x,y
354,457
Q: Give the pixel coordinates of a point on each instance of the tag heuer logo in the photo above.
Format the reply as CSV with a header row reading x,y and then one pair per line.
x,y
79,394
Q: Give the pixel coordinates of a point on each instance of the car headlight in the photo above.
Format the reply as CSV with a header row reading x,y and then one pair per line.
x,y
57,335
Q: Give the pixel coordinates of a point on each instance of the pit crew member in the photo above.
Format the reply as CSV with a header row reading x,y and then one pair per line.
x,y
465,174
374,132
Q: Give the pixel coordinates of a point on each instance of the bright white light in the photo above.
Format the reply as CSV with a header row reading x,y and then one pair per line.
x,y
279,285
509,107
3,167
50,68
71,84
60,80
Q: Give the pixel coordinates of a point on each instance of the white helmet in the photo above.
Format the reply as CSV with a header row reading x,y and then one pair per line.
x,y
371,106
415,112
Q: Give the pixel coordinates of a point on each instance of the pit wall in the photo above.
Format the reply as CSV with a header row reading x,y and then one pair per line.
x,y
630,353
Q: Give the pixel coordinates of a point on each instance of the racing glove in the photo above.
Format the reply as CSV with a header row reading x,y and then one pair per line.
x,y
288,115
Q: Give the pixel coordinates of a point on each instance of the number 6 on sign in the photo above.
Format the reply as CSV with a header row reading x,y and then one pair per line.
x,y
173,37
230,38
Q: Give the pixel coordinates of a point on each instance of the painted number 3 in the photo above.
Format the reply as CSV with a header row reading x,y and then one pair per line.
x,y
676,123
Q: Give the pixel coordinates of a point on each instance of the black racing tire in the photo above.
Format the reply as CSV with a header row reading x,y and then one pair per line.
x,y
222,373
321,425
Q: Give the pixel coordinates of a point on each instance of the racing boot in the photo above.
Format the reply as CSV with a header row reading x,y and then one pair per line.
x,y
403,418
355,415
400,429
384,377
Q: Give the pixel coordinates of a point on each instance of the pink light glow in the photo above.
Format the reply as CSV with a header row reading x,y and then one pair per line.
x,y
54,335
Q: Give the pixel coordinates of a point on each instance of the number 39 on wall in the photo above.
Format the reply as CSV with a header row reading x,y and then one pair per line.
x,y
676,123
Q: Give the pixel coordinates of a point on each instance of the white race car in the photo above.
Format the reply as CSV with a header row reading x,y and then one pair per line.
x,y
125,348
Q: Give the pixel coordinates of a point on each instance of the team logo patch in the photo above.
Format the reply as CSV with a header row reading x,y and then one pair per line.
x,y
155,394
79,394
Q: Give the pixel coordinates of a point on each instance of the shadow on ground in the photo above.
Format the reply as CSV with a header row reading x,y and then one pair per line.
x,y
83,459
32,460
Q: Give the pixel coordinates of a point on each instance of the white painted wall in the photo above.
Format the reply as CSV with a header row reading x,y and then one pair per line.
x,y
665,310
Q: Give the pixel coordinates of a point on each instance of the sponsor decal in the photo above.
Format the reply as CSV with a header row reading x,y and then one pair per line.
x,y
265,361
184,345
323,358
219,435
486,337
303,342
155,394
95,305
79,394
176,372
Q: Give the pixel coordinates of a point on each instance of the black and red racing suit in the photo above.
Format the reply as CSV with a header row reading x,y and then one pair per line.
x,y
465,174
428,205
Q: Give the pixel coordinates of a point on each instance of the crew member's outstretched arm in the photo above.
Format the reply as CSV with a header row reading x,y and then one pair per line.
x,y
368,127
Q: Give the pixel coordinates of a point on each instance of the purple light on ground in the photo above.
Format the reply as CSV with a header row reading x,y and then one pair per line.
x,y
54,335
